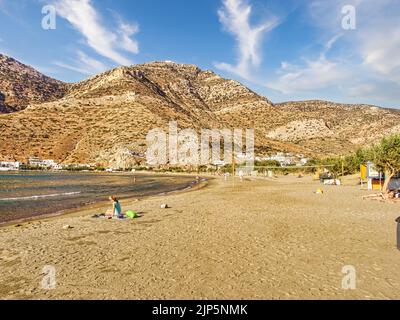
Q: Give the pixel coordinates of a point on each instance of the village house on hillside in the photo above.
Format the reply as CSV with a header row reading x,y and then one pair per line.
x,y
286,159
37,162
9,165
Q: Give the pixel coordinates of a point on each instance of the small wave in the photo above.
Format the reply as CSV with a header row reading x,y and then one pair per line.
x,y
41,196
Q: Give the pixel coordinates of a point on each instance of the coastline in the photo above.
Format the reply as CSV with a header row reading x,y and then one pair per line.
x,y
104,205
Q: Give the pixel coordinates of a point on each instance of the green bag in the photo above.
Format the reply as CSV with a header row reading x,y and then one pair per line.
x,y
131,214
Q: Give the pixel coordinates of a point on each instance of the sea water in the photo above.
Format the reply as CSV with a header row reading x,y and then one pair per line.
x,y
28,194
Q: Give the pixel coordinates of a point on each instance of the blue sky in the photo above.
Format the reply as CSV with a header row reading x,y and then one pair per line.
x,y
285,50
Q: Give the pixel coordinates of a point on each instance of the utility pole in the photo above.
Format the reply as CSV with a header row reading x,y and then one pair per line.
x,y
233,168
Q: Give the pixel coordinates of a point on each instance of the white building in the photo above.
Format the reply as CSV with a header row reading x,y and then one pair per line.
x,y
219,163
9,166
34,161
283,159
37,162
304,161
50,163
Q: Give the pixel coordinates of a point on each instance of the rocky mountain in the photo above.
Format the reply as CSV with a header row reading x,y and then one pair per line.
x,y
105,119
333,128
21,85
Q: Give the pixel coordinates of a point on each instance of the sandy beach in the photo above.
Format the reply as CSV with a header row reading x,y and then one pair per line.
x,y
256,239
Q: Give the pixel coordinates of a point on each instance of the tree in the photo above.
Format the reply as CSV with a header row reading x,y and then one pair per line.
x,y
267,163
335,165
364,155
387,158
351,162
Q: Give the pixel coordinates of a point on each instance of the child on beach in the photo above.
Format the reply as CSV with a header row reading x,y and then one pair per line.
x,y
116,210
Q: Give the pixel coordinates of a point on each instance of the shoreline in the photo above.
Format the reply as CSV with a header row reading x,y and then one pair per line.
x,y
191,186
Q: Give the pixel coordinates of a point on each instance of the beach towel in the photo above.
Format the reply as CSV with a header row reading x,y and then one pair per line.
x,y
131,214
103,216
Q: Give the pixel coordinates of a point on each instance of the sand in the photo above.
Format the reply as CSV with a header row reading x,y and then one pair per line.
x,y
259,239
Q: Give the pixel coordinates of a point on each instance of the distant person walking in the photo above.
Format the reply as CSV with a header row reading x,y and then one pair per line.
x,y
241,175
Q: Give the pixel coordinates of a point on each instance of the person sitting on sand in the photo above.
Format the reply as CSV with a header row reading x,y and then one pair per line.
x,y
116,210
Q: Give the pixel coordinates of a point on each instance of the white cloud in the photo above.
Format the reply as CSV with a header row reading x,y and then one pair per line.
x,y
365,89
84,65
332,41
82,15
380,50
373,48
380,91
358,64
126,31
235,17
313,75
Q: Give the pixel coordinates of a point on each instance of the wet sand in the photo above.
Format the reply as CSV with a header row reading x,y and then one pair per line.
x,y
261,239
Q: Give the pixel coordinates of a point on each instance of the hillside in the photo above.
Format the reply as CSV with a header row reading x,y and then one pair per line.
x,y
328,127
105,118
21,85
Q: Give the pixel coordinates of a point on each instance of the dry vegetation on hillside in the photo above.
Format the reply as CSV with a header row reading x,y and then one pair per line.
x,y
101,119
21,85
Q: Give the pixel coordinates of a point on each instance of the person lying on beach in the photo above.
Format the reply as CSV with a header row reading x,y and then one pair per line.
x,y
389,197
116,209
